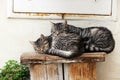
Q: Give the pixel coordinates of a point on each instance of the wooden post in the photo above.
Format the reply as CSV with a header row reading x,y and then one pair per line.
x,y
80,71
46,67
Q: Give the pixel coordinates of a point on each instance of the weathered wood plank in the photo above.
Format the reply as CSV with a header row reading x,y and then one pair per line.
x,y
53,72
60,72
46,72
38,72
28,58
80,71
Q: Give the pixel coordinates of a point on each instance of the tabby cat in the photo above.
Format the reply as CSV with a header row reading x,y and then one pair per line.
x,y
42,44
95,39
65,45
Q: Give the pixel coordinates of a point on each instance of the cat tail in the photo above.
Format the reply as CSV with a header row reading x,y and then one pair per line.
x,y
62,53
107,49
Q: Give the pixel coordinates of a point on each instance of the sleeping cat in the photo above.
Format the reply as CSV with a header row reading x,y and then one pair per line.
x,y
42,44
95,39
65,45
69,42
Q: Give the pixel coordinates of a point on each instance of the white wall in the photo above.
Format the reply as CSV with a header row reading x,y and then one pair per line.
x,y
16,33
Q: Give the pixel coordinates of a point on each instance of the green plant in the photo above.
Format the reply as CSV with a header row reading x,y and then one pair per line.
x,y
14,71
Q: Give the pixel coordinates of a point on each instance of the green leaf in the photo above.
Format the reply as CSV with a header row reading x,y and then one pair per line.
x,y
15,71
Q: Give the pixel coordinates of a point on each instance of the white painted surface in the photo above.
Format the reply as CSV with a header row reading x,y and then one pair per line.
x,y
16,33
87,9
64,6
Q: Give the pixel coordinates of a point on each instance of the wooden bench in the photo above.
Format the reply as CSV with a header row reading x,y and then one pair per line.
x,y
46,67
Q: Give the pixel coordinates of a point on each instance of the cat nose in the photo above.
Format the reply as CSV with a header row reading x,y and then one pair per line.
x,y
57,33
41,49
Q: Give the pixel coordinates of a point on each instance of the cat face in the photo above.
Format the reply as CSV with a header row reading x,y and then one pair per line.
x,y
41,45
59,27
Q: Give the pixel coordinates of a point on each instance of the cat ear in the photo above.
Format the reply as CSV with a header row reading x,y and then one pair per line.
x,y
65,23
52,23
42,36
32,42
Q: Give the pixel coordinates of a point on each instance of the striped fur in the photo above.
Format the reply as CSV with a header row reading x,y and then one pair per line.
x,y
95,39
66,45
62,44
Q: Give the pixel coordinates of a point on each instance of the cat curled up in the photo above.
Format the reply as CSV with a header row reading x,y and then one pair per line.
x,y
94,39
59,44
